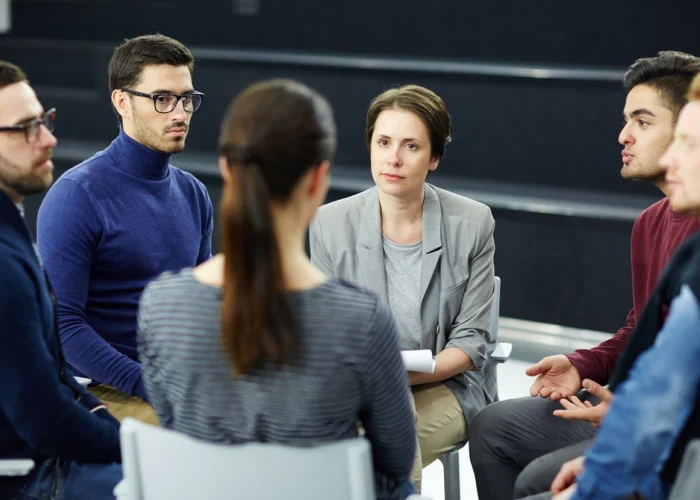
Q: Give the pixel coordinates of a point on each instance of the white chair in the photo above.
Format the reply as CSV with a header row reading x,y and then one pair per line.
x,y
16,467
499,352
162,464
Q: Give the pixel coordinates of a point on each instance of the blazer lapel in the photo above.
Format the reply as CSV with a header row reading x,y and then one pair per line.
x,y
432,240
370,249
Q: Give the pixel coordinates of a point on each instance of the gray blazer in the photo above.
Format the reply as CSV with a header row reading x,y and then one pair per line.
x,y
456,284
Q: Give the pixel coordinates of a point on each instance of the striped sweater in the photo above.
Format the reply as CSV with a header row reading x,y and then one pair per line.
x,y
349,371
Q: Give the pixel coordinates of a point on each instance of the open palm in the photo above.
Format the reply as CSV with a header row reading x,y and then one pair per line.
x,y
556,378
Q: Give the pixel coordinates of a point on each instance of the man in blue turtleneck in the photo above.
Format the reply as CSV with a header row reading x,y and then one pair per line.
x,y
119,219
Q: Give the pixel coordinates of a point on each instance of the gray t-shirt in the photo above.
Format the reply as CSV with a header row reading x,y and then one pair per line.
x,y
402,264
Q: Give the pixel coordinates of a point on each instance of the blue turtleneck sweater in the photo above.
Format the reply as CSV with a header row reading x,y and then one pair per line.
x,y
105,229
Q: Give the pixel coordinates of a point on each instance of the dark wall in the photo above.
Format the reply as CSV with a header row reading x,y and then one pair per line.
x,y
555,133
556,136
564,270
596,32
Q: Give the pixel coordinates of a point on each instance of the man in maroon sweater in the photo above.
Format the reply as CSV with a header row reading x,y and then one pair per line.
x,y
518,446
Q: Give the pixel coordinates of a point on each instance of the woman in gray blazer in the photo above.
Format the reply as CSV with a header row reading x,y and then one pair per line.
x,y
428,254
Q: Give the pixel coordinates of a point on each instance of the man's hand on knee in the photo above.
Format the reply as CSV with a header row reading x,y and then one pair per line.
x,y
556,378
567,475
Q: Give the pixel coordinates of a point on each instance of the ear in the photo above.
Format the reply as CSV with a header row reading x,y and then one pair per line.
x,y
320,179
434,164
121,103
223,168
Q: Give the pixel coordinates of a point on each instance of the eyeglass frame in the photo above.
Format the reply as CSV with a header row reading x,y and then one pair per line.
x,y
24,127
159,94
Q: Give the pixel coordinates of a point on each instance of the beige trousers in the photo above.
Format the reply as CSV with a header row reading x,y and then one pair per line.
x,y
440,425
121,405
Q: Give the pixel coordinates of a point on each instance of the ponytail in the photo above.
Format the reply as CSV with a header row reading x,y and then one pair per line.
x,y
256,317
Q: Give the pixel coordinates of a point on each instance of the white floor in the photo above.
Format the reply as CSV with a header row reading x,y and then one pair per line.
x,y
512,383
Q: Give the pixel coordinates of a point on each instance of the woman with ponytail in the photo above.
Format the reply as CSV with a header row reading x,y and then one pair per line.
x,y
257,344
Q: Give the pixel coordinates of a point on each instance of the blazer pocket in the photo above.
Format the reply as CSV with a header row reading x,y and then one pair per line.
x,y
454,289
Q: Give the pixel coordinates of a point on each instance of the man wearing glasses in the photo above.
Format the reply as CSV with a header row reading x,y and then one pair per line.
x,y
46,417
119,219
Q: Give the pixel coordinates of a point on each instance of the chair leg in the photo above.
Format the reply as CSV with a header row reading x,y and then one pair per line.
x,y
450,464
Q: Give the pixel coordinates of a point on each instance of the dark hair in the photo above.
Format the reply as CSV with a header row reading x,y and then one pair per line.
x,y
273,133
669,73
425,103
10,74
130,58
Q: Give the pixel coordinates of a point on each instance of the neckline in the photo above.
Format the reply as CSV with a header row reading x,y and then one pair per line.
x,y
136,159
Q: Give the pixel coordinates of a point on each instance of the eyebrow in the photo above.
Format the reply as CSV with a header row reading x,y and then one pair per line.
x,y
26,120
166,91
685,136
409,139
640,112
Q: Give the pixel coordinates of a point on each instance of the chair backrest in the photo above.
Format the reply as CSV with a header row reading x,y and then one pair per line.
x,y
164,464
495,313
687,483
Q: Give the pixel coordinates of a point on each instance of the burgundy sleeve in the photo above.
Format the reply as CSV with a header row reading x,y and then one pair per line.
x,y
599,362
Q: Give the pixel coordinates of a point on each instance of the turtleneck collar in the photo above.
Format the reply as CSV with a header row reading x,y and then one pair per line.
x,y
138,160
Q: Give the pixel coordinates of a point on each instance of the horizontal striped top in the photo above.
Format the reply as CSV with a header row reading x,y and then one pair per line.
x,y
349,371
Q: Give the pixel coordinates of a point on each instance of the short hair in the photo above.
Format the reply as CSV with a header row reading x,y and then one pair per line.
x,y
130,58
694,92
10,74
423,102
669,73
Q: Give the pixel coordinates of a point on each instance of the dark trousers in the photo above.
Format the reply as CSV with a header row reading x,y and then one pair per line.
x,y
517,446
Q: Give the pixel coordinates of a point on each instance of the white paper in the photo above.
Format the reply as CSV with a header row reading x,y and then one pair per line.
x,y
419,360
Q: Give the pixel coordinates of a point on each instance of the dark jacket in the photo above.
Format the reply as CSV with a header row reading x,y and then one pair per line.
x,y
44,412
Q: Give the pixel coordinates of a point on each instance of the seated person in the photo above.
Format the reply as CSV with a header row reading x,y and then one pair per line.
x,y
641,442
428,254
45,415
124,216
517,446
258,344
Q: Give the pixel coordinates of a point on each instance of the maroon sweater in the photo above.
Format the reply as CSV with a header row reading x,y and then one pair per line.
x,y
657,232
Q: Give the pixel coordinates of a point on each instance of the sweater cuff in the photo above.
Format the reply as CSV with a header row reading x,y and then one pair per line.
x,y
140,390
581,360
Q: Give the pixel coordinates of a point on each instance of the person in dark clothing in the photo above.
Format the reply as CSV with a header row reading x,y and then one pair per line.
x,y
45,415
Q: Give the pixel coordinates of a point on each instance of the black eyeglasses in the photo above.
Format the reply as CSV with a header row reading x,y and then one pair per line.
x,y
165,103
32,128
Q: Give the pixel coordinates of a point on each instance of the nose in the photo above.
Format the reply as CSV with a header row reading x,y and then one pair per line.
x,y
46,138
179,114
394,158
625,138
